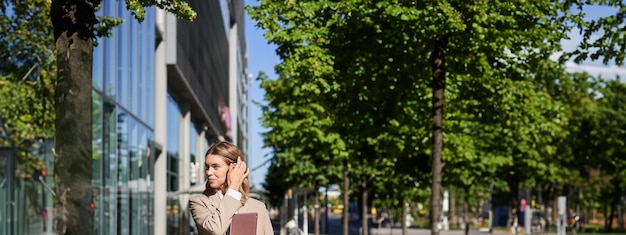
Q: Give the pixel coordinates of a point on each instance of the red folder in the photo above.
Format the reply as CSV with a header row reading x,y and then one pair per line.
x,y
244,224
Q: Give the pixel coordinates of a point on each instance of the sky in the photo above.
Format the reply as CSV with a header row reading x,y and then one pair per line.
x,y
592,67
262,57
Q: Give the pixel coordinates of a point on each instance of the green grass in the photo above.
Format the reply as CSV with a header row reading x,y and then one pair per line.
x,y
590,230
600,233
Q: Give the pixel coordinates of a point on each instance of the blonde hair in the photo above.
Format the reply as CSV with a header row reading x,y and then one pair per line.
x,y
229,152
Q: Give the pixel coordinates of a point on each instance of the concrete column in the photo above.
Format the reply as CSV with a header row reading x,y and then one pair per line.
x,y
562,219
201,149
233,75
184,164
160,132
184,161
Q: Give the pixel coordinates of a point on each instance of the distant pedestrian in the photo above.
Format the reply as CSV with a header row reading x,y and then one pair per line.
x,y
226,193
44,216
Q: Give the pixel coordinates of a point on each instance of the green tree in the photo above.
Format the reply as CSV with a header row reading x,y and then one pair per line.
x,y
495,45
601,37
570,167
608,142
74,30
602,40
26,79
496,56
360,93
305,147
312,91
300,134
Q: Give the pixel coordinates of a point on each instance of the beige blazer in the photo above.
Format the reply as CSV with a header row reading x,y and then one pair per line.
x,y
213,216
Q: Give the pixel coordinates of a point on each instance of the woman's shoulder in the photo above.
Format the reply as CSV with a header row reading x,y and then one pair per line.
x,y
253,202
199,197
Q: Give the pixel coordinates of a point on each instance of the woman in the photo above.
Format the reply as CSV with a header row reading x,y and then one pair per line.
x,y
226,193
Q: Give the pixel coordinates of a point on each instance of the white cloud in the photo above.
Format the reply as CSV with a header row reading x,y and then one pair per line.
x,y
606,72
595,68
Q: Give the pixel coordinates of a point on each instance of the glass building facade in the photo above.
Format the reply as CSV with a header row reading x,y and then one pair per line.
x,y
154,116
26,201
123,125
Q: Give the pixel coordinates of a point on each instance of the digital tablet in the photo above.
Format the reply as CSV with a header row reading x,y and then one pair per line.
x,y
244,223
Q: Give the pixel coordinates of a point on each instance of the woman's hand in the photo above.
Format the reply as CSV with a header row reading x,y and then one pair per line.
x,y
237,173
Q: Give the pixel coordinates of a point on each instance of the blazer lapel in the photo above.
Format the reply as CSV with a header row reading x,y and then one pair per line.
x,y
214,200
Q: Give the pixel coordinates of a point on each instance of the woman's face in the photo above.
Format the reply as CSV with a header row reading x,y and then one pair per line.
x,y
216,170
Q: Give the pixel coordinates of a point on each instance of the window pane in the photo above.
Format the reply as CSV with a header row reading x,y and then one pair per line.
x,y
98,62
123,66
193,134
122,172
98,149
133,153
147,208
110,55
173,137
109,168
173,126
146,58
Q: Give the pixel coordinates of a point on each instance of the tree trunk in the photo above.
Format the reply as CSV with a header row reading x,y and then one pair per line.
x,y
346,197
404,220
617,209
438,85
606,221
364,205
555,210
317,208
453,216
513,204
611,217
326,210
491,208
466,211
73,23
620,217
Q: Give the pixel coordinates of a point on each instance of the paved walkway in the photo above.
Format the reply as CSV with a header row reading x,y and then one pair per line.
x,y
422,231
354,228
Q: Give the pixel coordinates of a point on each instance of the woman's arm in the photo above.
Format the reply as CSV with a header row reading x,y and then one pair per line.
x,y
264,224
213,219
267,223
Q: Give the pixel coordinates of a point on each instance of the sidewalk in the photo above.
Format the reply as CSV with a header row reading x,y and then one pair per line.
x,y
423,231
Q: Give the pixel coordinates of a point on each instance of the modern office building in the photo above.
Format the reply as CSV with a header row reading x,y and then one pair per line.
x,y
25,197
163,91
201,73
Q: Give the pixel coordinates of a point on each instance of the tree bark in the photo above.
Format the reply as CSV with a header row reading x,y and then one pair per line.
x,y
317,208
555,210
438,85
404,221
491,207
609,228
513,203
466,211
606,221
364,205
615,207
346,197
453,216
73,23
